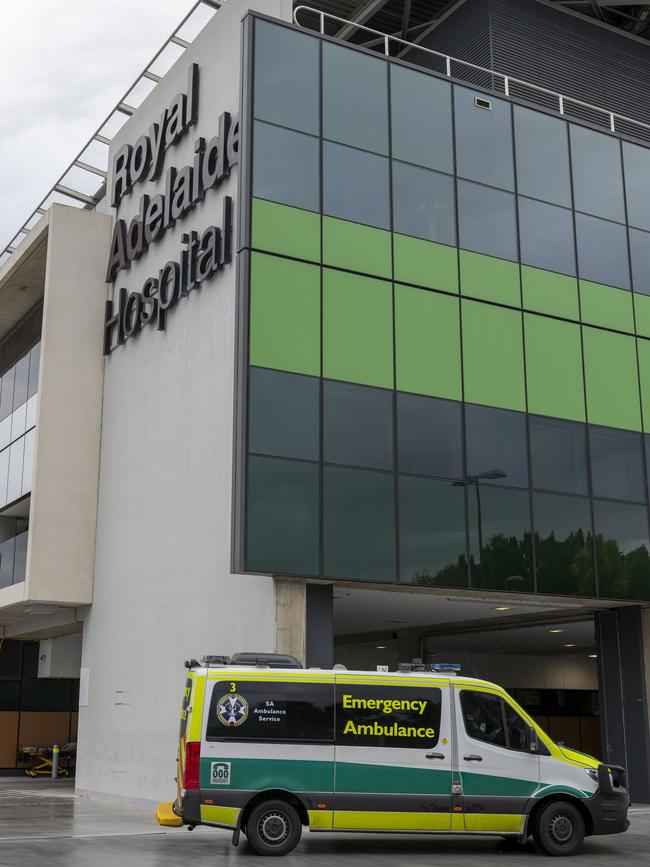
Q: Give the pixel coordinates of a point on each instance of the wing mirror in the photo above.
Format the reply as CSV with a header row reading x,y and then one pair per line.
x,y
533,740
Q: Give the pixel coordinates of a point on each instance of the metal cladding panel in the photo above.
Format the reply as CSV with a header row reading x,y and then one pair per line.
x,y
634,699
537,43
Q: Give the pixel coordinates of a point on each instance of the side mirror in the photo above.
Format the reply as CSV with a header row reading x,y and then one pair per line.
x,y
533,740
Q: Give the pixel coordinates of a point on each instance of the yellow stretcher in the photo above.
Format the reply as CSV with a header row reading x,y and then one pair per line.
x,y
39,760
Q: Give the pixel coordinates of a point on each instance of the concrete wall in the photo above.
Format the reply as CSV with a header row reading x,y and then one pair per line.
x,y
163,588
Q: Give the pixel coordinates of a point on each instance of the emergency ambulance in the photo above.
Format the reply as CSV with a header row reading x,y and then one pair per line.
x,y
267,747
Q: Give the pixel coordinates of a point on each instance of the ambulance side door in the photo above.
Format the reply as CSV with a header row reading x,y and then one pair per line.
x,y
393,752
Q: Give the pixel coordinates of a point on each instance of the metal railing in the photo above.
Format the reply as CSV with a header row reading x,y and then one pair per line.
x,y
92,160
453,67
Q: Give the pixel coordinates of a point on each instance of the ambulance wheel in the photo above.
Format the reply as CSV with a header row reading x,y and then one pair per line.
x,y
559,829
273,828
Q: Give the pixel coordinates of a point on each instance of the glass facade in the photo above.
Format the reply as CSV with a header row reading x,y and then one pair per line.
x,y
448,336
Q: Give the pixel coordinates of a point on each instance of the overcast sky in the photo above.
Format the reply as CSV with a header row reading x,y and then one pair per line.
x,y
63,66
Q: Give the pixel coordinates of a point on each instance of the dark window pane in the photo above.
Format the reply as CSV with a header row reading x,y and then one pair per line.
x,y
546,234
640,254
517,730
429,436
487,221
432,532
286,77
483,139
483,717
542,147
285,167
500,540
34,361
421,119
637,184
263,711
355,98
22,380
372,716
563,545
7,555
284,414
355,186
45,694
7,394
9,695
423,203
359,524
558,453
597,173
283,516
616,464
602,251
496,446
358,425
622,550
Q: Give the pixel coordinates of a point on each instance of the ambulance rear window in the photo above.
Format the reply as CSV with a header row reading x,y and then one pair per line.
x,y
261,711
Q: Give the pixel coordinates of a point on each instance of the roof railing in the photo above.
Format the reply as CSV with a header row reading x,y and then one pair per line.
x,y
77,185
510,86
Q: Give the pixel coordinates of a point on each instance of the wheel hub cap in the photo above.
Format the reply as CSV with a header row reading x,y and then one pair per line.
x,y
561,828
273,828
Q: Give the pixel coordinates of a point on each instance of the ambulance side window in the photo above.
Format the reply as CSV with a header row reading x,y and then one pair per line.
x,y
388,716
516,729
271,711
483,717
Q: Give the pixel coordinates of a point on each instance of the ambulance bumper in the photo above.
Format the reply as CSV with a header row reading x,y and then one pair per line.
x,y
609,806
166,816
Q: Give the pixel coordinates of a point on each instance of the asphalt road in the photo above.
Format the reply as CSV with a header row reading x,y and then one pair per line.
x,y
44,823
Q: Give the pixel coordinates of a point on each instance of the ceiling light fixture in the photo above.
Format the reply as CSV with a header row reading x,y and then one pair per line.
x,y
555,631
503,608
381,647
569,645
593,656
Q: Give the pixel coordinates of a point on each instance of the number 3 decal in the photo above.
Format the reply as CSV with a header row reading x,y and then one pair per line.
x,y
233,687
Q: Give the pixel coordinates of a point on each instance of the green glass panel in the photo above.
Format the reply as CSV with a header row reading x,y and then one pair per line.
x,y
489,278
612,380
554,368
547,292
357,329
643,347
493,356
286,230
425,263
606,306
357,247
427,342
285,314
642,313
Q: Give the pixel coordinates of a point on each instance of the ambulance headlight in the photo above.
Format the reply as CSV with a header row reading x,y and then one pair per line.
x,y
593,773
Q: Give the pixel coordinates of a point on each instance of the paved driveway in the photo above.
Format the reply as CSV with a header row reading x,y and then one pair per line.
x,y
43,824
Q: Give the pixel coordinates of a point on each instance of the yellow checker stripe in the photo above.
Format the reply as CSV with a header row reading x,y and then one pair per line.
x,y
356,820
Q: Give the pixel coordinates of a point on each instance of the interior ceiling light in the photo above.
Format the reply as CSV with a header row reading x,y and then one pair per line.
x,y
503,608
569,645
555,631
593,656
381,647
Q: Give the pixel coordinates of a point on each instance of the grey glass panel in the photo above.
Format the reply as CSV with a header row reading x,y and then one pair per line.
x,y
496,446
15,482
357,425
20,558
636,161
421,119
563,545
602,251
7,393
286,77
597,173
500,538
542,147
546,236
7,553
616,464
432,532
355,186
483,139
284,411
558,455
622,550
282,533
22,381
487,222
355,98
34,361
640,255
285,167
429,436
359,524
423,203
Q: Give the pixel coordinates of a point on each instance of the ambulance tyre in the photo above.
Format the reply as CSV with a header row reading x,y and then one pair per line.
x,y
273,828
559,829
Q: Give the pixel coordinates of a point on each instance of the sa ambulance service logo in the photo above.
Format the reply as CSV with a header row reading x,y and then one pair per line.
x,y
232,709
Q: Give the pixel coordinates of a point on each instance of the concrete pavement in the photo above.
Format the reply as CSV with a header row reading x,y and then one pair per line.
x,y
42,822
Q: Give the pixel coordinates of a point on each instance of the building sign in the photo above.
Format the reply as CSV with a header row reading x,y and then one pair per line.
x,y
202,254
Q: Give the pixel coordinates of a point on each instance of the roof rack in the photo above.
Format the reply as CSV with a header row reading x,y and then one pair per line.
x,y
259,660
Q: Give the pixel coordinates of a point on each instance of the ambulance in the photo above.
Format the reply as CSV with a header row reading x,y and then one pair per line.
x,y
268,748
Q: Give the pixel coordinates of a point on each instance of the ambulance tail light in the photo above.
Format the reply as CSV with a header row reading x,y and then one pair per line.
x,y
191,770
